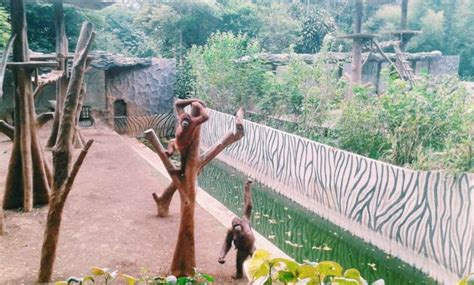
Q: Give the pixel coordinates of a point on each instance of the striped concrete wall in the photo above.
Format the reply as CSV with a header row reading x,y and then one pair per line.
x,y
163,124
423,217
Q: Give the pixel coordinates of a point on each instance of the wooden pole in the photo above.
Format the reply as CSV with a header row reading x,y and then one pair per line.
x,y
356,66
27,182
61,53
403,24
63,177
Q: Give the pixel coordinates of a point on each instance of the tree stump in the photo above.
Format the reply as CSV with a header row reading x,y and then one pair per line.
x,y
185,181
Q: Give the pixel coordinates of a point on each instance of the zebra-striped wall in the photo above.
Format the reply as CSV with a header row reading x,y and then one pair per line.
x,y
423,217
163,124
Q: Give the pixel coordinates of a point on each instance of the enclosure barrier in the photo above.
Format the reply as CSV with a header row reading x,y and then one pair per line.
x,y
163,124
423,217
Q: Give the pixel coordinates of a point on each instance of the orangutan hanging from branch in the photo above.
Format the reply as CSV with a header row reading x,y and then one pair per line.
x,y
188,133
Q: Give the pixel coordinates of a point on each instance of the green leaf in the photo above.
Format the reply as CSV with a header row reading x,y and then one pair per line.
x,y
291,265
129,279
209,278
352,273
307,271
329,268
262,254
185,280
262,271
286,276
97,271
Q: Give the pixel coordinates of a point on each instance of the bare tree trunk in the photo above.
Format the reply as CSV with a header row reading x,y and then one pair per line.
x,y
62,155
62,83
184,258
356,66
27,183
404,12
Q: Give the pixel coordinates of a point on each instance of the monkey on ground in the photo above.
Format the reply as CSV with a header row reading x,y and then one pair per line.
x,y
186,127
241,234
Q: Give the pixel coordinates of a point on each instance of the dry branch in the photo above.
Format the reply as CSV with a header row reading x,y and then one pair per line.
x,y
7,129
43,118
3,65
62,154
155,142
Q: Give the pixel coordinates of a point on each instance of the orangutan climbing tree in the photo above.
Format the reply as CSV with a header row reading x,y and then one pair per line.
x,y
28,178
187,141
63,175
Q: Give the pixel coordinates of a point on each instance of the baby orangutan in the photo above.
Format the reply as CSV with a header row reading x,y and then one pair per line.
x,y
241,234
186,127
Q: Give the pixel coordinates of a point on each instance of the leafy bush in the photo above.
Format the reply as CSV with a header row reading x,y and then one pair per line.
x,y
184,85
426,127
316,26
263,269
220,81
4,27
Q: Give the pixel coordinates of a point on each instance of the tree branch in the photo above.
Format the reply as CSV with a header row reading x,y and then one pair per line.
x,y
43,118
7,129
155,142
3,65
228,139
75,169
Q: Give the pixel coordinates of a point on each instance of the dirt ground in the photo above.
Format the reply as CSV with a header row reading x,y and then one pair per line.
x,y
109,221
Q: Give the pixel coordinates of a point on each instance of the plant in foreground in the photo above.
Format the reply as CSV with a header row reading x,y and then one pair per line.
x,y
109,275
263,269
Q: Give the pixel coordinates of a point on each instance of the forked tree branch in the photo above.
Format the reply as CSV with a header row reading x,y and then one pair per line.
x,y
228,139
43,118
7,129
3,65
155,142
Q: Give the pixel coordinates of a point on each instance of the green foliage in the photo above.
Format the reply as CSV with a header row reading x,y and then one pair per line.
x,y
4,27
175,27
117,32
41,29
316,26
241,18
426,127
222,82
263,269
185,83
107,275
279,30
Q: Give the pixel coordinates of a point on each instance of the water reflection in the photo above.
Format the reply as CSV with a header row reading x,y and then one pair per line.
x,y
302,234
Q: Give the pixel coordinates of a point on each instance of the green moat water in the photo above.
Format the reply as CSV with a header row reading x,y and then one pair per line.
x,y
302,234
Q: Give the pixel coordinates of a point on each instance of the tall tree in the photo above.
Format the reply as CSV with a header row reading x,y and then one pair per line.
x,y
62,155
27,181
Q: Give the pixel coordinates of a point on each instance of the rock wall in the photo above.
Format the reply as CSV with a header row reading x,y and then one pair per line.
x,y
423,217
145,90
